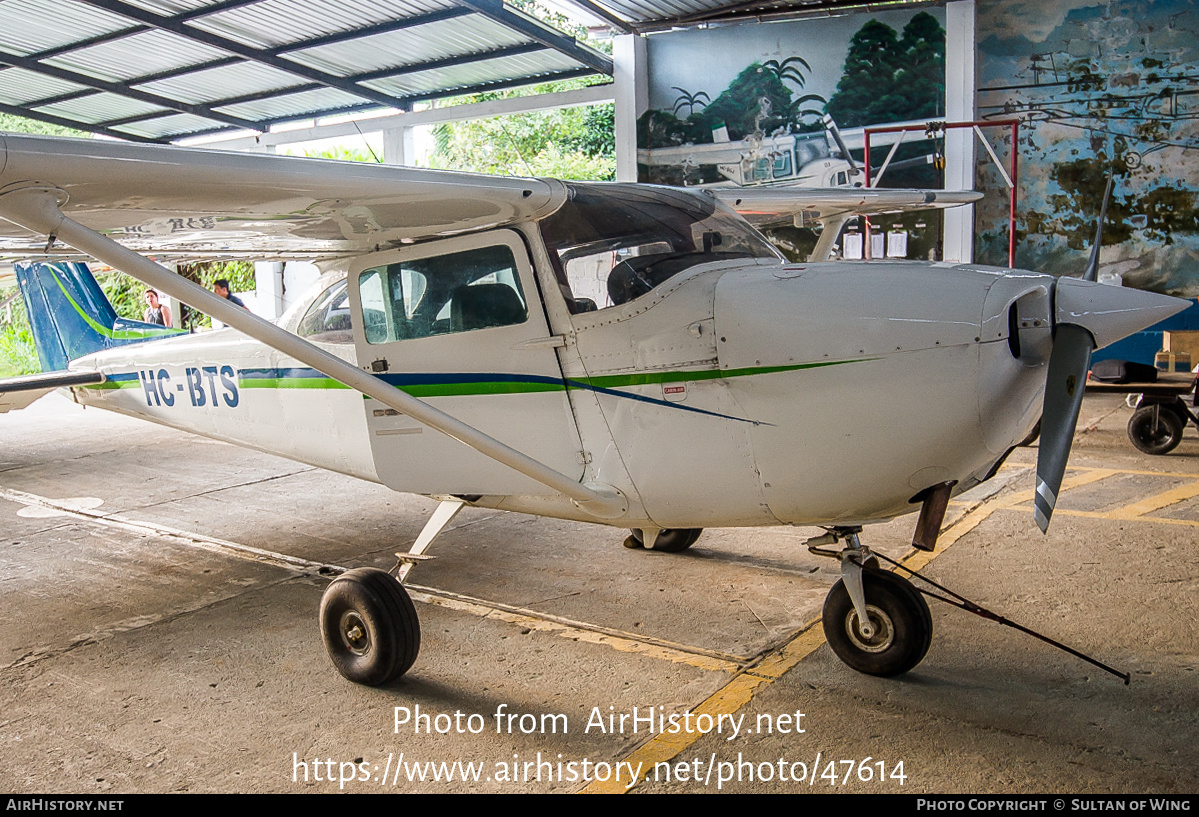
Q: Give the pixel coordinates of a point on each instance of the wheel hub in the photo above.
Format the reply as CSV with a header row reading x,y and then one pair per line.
x,y
883,630
354,633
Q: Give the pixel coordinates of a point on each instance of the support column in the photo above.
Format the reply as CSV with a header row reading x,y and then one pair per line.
x,y
398,146
629,58
960,160
171,302
268,288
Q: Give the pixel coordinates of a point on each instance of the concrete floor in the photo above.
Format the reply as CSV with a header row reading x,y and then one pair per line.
x,y
159,634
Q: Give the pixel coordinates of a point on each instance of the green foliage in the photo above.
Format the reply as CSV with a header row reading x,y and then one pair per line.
x,y
568,143
126,294
758,100
18,355
887,78
240,275
339,152
17,124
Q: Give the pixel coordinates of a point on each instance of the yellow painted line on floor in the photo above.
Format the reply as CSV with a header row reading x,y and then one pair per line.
x,y
1155,503
1112,517
663,747
738,692
579,631
1139,472
1135,511
1088,476
710,660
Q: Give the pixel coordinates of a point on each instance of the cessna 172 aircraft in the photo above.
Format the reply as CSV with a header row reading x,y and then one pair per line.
x,y
620,354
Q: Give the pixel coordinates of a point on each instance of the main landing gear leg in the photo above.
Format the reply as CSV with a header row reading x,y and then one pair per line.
x,y
876,622
368,622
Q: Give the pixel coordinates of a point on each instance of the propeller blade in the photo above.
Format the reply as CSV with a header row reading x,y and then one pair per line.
x,y
1092,271
1064,385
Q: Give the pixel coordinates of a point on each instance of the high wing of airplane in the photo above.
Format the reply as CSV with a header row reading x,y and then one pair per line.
x,y
628,355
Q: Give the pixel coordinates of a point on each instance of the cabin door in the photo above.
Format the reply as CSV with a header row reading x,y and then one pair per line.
x,y
459,323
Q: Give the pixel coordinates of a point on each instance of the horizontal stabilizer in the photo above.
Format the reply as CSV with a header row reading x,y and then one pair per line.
x,y
19,392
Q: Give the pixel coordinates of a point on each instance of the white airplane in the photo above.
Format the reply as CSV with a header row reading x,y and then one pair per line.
x,y
620,354
786,160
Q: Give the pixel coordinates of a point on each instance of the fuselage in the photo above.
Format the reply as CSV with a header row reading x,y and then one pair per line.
x,y
737,392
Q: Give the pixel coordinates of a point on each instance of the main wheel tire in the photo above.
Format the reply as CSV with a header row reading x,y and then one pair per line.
x,y
1155,429
670,540
369,626
901,618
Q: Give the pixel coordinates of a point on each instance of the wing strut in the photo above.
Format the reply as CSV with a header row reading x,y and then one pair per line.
x,y
37,209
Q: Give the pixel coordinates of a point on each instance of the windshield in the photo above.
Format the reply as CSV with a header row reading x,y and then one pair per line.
x,y
613,243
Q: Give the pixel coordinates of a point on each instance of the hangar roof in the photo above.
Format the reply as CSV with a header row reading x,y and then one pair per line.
x,y
161,70
654,15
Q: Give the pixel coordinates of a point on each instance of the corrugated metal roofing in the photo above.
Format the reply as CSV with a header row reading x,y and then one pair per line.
x,y
157,52
409,46
19,87
655,15
101,107
165,69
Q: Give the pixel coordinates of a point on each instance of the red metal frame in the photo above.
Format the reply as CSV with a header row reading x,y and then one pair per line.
x,y
933,127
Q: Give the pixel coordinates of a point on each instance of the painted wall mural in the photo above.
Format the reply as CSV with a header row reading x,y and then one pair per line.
x,y
743,106
1098,87
719,97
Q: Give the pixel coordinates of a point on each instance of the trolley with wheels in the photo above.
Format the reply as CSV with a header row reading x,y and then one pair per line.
x,y
1162,412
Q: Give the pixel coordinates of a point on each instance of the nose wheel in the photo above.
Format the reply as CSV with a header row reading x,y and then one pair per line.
x,y
875,621
896,634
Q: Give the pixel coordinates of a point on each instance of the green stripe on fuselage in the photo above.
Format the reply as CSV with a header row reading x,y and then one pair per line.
x,y
466,389
652,378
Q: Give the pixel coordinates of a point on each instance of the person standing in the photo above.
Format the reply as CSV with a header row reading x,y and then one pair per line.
x,y
156,312
221,287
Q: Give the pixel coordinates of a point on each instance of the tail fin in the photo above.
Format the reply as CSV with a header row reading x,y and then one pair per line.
x,y
71,316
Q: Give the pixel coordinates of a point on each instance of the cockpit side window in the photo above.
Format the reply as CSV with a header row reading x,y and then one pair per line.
x,y
328,319
440,295
613,243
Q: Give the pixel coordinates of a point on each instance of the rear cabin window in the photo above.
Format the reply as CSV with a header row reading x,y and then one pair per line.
x,y
441,295
328,319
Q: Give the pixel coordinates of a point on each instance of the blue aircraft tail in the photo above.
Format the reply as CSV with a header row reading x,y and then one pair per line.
x,y
71,316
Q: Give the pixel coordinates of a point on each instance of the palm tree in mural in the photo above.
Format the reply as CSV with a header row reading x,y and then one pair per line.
x,y
689,100
785,70
796,112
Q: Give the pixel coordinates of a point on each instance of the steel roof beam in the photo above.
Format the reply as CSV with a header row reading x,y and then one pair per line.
x,y
121,89
99,39
429,65
538,31
467,110
483,87
450,62
215,8
604,14
370,31
257,55
63,122
67,97
54,100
